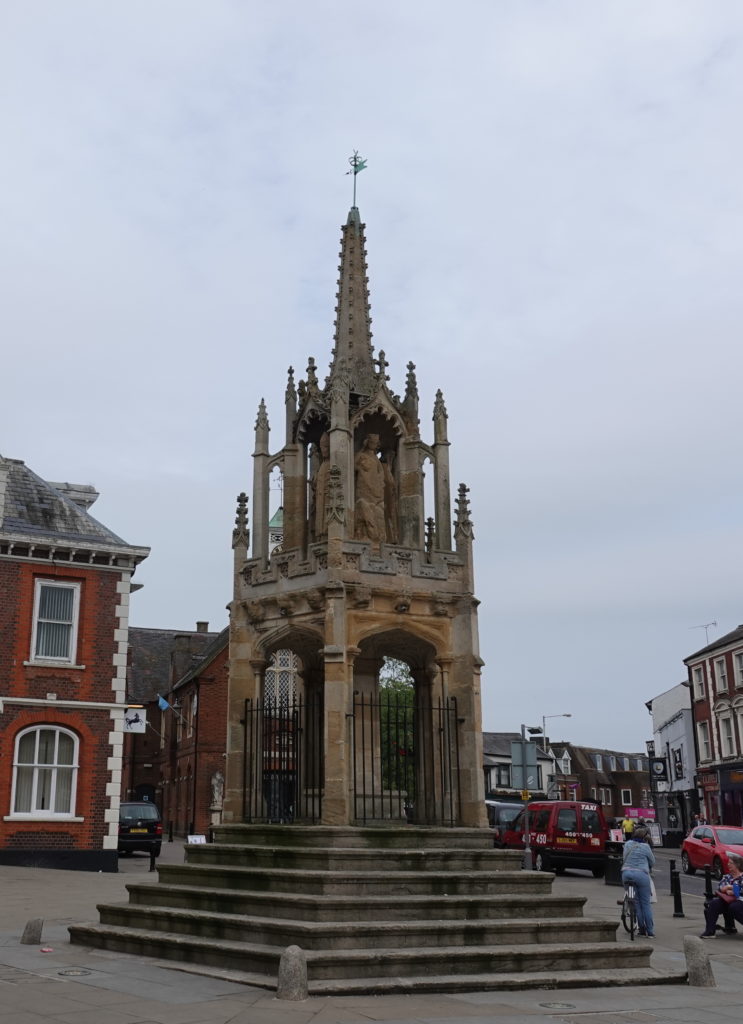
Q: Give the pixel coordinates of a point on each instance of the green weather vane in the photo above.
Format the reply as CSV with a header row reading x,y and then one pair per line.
x,y
357,164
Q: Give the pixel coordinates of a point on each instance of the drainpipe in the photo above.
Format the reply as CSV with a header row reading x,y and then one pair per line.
x,y
195,753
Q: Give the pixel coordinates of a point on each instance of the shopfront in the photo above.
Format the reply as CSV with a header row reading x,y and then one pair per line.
x,y
731,795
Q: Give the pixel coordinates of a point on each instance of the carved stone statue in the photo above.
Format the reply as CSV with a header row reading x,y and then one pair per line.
x,y
217,791
375,508
320,489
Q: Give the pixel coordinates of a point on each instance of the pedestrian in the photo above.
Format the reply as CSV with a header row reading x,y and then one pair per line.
x,y
628,827
637,862
727,901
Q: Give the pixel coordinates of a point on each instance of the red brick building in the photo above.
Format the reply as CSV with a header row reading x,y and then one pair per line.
x,y
179,761
65,581
716,682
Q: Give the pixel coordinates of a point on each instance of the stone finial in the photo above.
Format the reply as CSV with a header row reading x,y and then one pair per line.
x,y
410,402
261,420
292,980
463,523
261,429
440,416
311,374
291,391
382,365
335,505
698,963
241,533
430,533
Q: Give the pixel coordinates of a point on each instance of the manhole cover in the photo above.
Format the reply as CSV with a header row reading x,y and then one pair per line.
x,y
73,972
558,1006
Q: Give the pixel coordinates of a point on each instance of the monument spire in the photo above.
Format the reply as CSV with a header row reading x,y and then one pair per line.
x,y
353,352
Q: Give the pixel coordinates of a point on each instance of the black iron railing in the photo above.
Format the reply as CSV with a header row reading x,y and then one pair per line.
x,y
283,761
405,755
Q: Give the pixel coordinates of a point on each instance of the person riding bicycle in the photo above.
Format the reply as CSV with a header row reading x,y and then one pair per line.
x,y
637,862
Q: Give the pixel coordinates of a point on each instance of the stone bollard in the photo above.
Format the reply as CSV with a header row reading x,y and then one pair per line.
x,y
697,963
292,983
32,932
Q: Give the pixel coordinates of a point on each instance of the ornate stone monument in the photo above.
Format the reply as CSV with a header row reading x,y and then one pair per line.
x,y
365,572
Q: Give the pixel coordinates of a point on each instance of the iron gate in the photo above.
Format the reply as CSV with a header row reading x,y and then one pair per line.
x,y
405,759
283,760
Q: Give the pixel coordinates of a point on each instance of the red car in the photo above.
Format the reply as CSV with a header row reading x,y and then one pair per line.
x,y
710,845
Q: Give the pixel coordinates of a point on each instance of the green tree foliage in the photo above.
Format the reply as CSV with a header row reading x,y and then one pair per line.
x,y
397,727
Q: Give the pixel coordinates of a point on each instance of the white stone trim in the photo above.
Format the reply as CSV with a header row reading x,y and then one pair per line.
x,y
114,763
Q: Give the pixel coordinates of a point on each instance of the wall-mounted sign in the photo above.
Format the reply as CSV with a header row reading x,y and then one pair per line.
x,y
658,769
135,720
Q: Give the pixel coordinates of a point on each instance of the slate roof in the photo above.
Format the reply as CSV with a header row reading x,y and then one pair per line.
x,y
217,645
730,638
498,744
152,666
37,511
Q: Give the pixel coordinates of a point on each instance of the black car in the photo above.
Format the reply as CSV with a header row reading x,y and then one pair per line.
x,y
501,814
140,828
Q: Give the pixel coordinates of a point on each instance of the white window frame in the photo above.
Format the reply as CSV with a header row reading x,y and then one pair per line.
x,y
612,763
565,764
626,798
704,740
721,675
598,763
727,735
47,814
71,657
738,668
593,792
697,674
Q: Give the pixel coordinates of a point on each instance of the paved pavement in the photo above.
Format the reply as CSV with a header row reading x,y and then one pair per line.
x,y
75,985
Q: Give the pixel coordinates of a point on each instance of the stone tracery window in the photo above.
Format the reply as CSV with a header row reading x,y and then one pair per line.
x,y
280,682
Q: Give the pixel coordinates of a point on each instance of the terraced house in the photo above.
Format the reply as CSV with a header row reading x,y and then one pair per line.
x,y
65,581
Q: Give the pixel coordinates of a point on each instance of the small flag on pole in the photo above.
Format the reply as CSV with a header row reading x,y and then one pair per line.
x,y
162,703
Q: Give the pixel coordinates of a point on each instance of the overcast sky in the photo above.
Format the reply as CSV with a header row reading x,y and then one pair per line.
x,y
553,210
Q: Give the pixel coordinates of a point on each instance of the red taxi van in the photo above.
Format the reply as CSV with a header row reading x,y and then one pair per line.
x,y
563,834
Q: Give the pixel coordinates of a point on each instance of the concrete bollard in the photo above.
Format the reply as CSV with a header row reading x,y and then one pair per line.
x,y
292,982
698,963
32,932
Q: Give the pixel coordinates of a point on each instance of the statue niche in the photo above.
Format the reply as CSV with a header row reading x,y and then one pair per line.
x,y
375,511
319,484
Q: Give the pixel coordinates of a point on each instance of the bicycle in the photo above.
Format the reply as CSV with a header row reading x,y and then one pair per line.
x,y
629,913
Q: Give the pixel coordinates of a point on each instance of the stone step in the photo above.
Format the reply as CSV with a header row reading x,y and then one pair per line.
x,y
359,883
519,981
357,964
539,980
347,935
305,907
382,837
353,859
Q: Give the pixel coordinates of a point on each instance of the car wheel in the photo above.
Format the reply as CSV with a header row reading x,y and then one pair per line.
x,y
599,871
542,862
156,849
717,868
687,865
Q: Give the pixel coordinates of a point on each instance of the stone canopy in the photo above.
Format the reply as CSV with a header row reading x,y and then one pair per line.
x,y
364,572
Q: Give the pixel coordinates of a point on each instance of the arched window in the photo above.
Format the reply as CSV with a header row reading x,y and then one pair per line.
x,y
45,772
280,682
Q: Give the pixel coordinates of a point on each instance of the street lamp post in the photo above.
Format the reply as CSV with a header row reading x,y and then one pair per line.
x,y
523,756
566,714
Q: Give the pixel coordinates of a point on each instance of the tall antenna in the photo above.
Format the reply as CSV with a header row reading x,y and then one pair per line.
x,y
357,164
705,626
